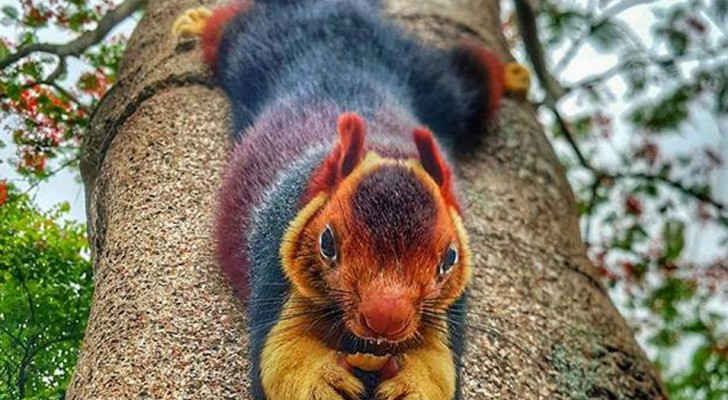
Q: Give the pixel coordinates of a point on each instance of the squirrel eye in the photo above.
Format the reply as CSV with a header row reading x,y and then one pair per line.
x,y
449,261
327,245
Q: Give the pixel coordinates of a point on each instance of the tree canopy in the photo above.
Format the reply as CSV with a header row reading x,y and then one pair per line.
x,y
45,293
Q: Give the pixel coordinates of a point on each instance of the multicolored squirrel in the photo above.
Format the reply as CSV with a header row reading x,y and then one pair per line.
x,y
338,220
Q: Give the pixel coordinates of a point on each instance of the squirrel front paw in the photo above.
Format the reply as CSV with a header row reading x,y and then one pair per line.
x,y
424,374
321,377
295,365
191,23
404,388
331,381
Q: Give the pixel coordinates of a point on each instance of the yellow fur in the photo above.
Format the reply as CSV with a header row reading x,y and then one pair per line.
x,y
290,242
297,366
426,373
191,22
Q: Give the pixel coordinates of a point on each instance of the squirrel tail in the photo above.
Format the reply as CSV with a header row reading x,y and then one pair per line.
x,y
212,33
291,2
459,97
490,79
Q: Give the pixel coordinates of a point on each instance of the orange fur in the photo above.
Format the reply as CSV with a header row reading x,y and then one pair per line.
x,y
363,272
358,271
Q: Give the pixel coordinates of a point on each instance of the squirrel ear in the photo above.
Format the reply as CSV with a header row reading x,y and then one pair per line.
x,y
351,143
430,157
345,157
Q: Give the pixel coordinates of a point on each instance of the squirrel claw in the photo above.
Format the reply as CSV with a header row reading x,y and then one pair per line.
x,y
191,23
516,78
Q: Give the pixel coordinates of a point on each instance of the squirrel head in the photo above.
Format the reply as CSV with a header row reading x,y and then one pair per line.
x,y
380,238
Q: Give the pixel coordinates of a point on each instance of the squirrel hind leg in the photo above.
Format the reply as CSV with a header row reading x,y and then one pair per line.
x,y
192,22
208,25
516,79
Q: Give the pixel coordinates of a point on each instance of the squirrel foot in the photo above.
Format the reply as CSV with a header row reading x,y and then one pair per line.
x,y
331,381
424,374
191,23
322,377
403,387
516,78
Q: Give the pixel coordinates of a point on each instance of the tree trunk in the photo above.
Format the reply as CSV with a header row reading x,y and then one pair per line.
x,y
164,323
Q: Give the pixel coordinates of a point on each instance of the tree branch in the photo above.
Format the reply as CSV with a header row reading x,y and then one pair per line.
x,y
566,131
662,61
600,174
593,192
51,79
673,184
64,338
49,174
621,7
25,365
534,50
77,46
607,15
13,337
7,359
86,109
554,91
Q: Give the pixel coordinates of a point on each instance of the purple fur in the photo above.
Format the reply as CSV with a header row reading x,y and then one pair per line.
x,y
268,149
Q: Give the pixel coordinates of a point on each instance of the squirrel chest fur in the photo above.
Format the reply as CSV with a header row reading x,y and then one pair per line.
x,y
338,221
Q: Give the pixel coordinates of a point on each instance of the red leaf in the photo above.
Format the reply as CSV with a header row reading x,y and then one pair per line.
x,y
633,205
3,192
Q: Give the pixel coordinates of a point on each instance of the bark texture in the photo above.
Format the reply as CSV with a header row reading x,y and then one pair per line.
x,y
164,323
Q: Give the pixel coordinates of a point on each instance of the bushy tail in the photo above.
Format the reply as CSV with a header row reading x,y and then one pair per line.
x,y
458,93
376,3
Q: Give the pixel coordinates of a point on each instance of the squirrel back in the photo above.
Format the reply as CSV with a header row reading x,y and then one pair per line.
x,y
346,53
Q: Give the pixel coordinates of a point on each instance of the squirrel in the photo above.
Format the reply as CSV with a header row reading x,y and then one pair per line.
x,y
338,221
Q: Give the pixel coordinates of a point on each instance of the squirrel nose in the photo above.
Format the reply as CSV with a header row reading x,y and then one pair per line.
x,y
386,315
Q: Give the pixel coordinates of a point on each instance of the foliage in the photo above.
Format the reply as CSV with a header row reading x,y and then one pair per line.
x,y
656,230
48,117
45,292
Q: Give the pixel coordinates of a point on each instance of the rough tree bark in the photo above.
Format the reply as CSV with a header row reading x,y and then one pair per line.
x,y
164,323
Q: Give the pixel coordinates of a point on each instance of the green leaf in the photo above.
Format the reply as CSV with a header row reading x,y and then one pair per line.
x,y
667,113
4,51
673,235
10,12
678,42
43,260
